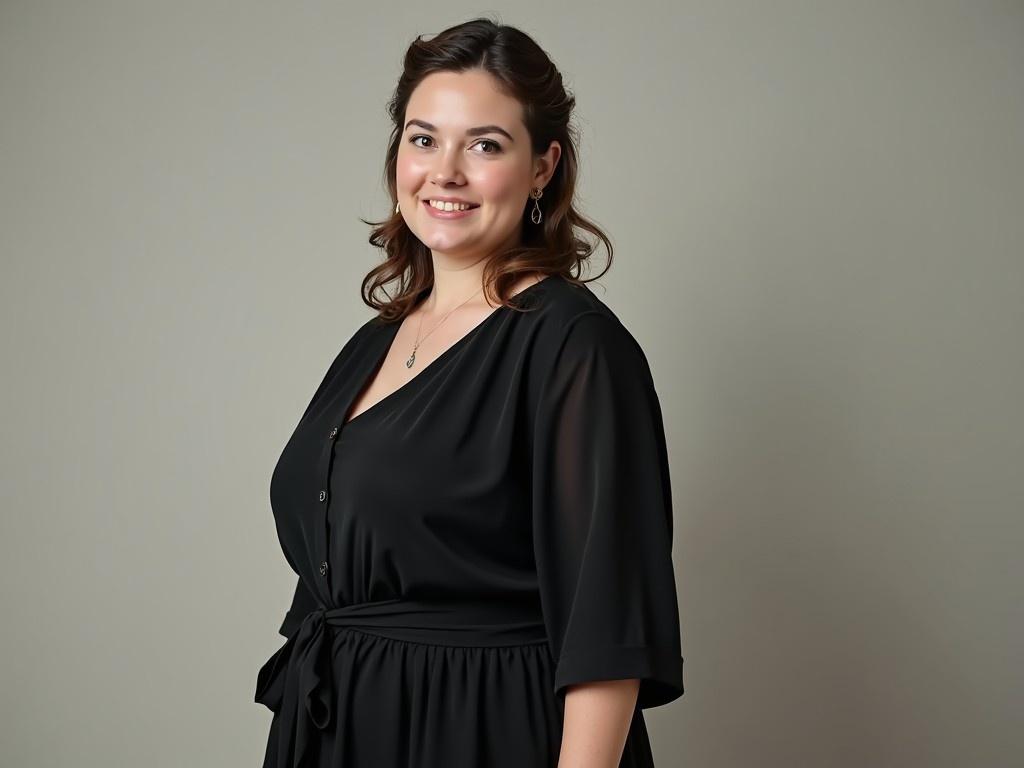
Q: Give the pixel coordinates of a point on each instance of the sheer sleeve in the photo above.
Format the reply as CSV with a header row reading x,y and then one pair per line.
x,y
602,515
302,603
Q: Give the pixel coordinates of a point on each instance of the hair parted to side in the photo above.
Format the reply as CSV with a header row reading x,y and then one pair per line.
x,y
525,72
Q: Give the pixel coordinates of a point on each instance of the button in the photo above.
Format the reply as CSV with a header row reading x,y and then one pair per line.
x,y
323,568
323,495
334,432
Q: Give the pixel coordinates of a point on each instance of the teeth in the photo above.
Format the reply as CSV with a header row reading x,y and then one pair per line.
x,y
449,206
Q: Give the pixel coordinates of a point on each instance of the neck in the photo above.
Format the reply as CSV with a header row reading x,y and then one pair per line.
x,y
453,287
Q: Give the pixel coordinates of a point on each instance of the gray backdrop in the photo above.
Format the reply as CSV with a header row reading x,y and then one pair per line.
x,y
818,210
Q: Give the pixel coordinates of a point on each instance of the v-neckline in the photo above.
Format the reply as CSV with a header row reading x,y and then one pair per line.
x,y
391,332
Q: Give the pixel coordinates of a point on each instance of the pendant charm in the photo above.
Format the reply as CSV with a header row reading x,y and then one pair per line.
x,y
411,360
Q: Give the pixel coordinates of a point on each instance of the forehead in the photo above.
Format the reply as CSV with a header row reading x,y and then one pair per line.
x,y
461,99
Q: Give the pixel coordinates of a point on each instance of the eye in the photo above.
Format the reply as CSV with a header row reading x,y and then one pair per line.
x,y
496,145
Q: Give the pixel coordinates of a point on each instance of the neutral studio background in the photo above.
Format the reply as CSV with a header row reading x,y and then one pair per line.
x,y
818,211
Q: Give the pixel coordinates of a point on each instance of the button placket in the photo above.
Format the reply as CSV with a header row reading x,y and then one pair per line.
x,y
323,496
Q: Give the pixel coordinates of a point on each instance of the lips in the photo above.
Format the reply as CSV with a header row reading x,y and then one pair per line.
x,y
453,202
443,215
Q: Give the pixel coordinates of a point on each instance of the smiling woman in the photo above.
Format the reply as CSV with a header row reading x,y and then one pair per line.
x,y
480,116
481,538
447,158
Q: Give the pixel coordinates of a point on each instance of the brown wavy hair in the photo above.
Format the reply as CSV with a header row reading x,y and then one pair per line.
x,y
525,72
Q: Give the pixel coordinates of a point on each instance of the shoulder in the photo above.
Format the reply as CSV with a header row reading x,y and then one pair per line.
x,y
353,346
556,300
575,334
572,320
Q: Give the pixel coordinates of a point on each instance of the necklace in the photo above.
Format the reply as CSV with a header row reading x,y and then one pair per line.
x,y
412,357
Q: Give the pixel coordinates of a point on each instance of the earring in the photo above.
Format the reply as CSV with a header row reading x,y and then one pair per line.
x,y
396,207
535,215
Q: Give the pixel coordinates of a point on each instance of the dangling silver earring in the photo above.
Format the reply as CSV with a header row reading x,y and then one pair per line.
x,y
396,207
535,215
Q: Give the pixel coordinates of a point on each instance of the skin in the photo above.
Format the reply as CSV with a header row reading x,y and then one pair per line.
x,y
491,169
596,723
498,172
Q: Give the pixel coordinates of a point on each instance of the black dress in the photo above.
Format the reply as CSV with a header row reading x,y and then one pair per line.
x,y
495,530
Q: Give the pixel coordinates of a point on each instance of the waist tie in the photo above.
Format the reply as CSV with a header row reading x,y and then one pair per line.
x,y
297,682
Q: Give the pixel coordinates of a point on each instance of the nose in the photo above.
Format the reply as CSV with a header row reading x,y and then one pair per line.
x,y
447,168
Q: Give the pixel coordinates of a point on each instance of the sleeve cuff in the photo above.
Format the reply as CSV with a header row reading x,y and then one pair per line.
x,y
659,670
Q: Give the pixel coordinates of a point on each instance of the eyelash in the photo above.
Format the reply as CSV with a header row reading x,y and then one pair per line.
x,y
497,146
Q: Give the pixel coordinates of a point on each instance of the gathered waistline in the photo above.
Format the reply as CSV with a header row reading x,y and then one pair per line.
x,y
297,682
461,623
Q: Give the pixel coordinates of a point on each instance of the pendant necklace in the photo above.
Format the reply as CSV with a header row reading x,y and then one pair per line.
x,y
412,357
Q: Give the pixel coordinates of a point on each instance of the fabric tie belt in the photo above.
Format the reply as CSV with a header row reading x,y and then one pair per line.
x,y
297,682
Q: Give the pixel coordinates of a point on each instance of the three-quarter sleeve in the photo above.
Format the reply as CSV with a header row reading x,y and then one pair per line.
x,y
302,604
602,515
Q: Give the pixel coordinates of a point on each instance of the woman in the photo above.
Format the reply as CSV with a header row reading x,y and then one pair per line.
x,y
476,500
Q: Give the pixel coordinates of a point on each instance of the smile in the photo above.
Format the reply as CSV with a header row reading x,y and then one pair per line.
x,y
455,213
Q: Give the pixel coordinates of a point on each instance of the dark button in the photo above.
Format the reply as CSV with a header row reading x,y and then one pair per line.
x,y
323,568
334,432
323,495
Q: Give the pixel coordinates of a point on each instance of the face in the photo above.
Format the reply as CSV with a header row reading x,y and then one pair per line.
x,y
464,139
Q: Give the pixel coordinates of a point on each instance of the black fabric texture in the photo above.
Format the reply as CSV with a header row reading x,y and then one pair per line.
x,y
494,531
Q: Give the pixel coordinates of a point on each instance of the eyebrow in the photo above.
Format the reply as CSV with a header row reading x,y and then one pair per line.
x,y
478,131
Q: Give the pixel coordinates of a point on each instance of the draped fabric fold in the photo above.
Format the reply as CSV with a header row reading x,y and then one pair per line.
x,y
296,682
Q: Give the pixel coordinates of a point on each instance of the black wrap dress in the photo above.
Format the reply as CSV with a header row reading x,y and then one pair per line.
x,y
495,530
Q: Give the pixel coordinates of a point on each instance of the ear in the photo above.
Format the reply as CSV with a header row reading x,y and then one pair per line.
x,y
544,165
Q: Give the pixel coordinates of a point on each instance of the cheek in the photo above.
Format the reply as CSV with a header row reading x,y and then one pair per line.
x,y
411,171
404,172
500,189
